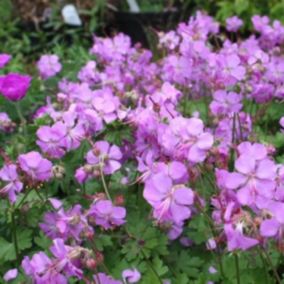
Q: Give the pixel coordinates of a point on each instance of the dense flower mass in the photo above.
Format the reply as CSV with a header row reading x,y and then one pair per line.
x,y
144,161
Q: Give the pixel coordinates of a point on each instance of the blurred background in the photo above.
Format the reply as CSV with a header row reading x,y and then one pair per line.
x,y
32,27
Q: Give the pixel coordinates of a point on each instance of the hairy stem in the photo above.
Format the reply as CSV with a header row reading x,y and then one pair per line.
x,y
104,184
237,268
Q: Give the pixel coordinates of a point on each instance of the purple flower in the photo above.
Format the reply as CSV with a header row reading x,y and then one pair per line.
x,y
105,279
254,179
14,86
256,150
233,24
35,166
282,123
106,215
50,139
48,66
11,274
9,175
106,105
6,123
4,59
131,275
65,224
105,156
237,240
232,70
225,102
89,74
170,202
186,137
73,128
43,269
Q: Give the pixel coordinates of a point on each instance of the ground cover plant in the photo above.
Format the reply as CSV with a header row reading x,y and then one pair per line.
x,y
123,166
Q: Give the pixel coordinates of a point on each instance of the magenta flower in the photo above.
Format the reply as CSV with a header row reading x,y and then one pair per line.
x,y
14,86
105,156
35,166
253,179
106,215
170,202
131,275
233,24
9,175
48,66
4,59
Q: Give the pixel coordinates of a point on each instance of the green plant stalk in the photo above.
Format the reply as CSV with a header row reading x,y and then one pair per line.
x,y
14,232
276,275
23,121
23,199
104,184
211,226
264,265
237,268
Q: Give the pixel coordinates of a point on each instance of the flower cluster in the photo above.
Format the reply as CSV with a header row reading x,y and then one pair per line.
x,y
184,135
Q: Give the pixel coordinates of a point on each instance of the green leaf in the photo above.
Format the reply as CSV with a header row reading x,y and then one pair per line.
x,y
159,266
7,251
24,239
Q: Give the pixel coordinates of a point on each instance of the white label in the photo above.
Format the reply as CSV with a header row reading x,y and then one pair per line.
x,y
70,15
133,6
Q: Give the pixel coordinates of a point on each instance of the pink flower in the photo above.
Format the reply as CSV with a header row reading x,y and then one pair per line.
x,y
237,240
170,202
131,275
48,66
105,156
6,123
14,86
50,139
105,279
4,59
225,102
282,123
9,175
35,166
253,179
106,215
233,24
11,274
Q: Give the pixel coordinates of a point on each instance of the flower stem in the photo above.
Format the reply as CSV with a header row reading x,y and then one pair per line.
x,y
23,121
104,184
237,268
14,232
264,265
276,275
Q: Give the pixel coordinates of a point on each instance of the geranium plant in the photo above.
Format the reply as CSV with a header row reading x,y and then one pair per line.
x,y
142,169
